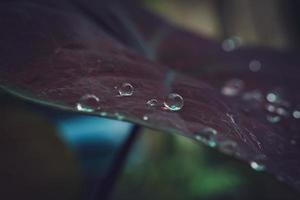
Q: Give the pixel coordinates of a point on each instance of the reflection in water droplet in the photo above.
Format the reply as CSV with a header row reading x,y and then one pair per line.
x,y
152,103
174,102
255,65
232,87
296,114
273,118
126,89
231,43
228,147
145,117
88,103
207,135
257,166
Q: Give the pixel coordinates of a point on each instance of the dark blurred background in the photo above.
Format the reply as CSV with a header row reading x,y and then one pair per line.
x,y
271,23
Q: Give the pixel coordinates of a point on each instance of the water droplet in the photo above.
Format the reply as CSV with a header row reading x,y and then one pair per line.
x,y
282,111
271,108
254,95
174,102
228,147
145,117
152,103
207,136
119,116
296,114
255,65
273,118
257,166
88,103
232,87
231,43
293,142
272,97
103,114
126,89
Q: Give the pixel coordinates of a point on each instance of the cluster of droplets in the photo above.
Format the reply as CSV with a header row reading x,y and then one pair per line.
x,y
277,107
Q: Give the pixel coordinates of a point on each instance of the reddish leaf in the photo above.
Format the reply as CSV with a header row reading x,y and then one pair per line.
x,y
56,53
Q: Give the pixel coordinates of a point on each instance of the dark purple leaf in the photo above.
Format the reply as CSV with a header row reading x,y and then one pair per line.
x,y
55,54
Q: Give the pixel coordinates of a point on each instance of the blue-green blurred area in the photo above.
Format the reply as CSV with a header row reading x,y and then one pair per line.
x,y
48,154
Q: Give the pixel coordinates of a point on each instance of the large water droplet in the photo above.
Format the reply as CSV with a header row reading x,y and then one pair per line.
x,y
272,97
232,87
174,102
207,135
257,166
231,43
151,103
88,103
228,147
125,90
255,65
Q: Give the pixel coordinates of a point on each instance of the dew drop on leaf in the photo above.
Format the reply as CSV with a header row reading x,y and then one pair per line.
x,y
125,90
231,44
296,114
152,103
88,103
207,135
145,117
255,65
257,166
174,102
228,147
273,118
232,87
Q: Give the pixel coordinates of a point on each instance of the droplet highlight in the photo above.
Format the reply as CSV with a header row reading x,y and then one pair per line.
x,y
173,102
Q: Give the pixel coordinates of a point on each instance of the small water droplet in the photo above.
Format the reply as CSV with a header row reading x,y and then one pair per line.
x,y
296,114
273,118
293,142
257,166
282,111
272,97
271,108
231,43
103,114
152,103
228,147
125,90
88,103
145,117
119,116
255,65
207,135
254,95
174,102
232,87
